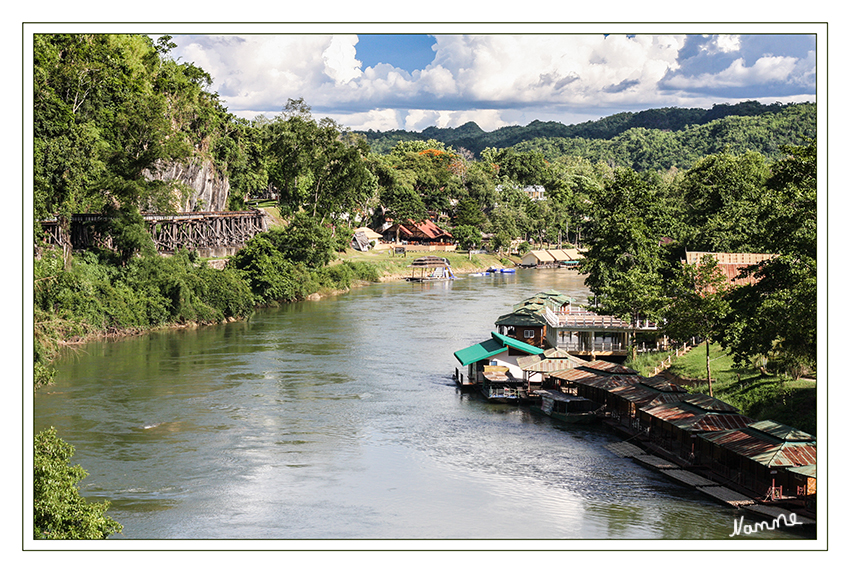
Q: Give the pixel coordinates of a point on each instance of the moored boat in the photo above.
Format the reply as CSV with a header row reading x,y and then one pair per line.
x,y
565,407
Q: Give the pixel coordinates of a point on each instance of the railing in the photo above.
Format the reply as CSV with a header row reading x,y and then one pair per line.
x,y
594,347
492,391
589,320
202,230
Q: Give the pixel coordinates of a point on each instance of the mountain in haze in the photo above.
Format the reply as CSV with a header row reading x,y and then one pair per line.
x,y
470,136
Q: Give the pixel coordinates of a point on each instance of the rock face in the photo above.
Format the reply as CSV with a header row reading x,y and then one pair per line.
x,y
209,188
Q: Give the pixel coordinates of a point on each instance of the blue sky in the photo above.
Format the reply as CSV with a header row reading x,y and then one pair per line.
x,y
413,81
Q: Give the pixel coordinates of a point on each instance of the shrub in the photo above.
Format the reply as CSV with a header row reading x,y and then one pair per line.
x,y
59,511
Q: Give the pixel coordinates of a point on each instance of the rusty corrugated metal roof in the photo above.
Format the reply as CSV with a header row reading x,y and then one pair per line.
x,y
629,379
663,385
782,432
639,395
808,471
608,367
575,375
525,361
558,353
708,403
765,449
695,419
666,398
549,365
604,382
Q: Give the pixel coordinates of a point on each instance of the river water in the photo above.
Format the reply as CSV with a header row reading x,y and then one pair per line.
x,y
338,419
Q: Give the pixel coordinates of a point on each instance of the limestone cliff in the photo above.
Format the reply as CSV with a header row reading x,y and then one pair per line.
x,y
209,188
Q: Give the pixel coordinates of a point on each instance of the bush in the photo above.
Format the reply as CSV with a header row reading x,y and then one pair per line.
x,y
225,290
272,277
59,511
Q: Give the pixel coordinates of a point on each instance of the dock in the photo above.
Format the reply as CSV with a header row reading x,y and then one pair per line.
x,y
654,462
625,449
726,495
688,478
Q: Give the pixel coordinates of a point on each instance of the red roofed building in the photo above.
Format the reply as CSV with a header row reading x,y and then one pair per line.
x,y
423,233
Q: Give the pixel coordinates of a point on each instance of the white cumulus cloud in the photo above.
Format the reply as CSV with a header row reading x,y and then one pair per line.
x,y
490,79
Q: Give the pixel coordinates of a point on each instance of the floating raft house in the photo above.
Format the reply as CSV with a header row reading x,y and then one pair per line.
x,y
431,268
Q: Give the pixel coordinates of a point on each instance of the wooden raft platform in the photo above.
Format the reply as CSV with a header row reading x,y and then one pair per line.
x,y
654,462
625,449
726,495
688,478
771,511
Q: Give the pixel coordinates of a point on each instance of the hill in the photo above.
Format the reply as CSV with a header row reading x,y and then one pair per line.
x,y
683,134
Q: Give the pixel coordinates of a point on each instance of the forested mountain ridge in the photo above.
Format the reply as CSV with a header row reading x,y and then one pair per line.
x,y
680,135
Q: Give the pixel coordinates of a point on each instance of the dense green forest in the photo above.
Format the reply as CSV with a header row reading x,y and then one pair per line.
x,y
651,139
635,189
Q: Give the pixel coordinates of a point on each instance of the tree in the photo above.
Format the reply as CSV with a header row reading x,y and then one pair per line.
x,y
469,213
305,240
401,202
59,511
315,166
698,305
108,111
722,194
777,314
269,273
468,236
623,263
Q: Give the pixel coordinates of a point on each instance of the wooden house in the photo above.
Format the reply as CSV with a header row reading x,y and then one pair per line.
x,y
492,366
674,426
551,361
525,323
763,456
730,264
425,235
586,333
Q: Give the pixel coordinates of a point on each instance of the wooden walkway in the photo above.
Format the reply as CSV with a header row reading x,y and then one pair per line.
x,y
688,478
703,484
655,463
726,495
625,449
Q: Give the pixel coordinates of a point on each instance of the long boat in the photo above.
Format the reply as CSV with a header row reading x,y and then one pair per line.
x,y
565,407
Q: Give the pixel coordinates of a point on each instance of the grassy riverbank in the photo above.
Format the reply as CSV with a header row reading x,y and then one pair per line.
x,y
757,395
393,267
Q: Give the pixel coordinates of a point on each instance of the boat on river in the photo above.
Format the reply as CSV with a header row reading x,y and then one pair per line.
x,y
566,407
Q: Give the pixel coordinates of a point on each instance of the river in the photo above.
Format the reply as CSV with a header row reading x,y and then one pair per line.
x,y
338,419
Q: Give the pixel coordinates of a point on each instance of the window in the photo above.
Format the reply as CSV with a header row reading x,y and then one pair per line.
x,y
528,333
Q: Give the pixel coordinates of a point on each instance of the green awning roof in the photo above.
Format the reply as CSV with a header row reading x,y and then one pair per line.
x,y
498,343
517,344
480,351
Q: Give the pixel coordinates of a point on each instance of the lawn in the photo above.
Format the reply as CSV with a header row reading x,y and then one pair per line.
x,y
759,396
394,266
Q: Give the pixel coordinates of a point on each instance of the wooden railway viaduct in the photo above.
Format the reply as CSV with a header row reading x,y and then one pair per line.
x,y
210,233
